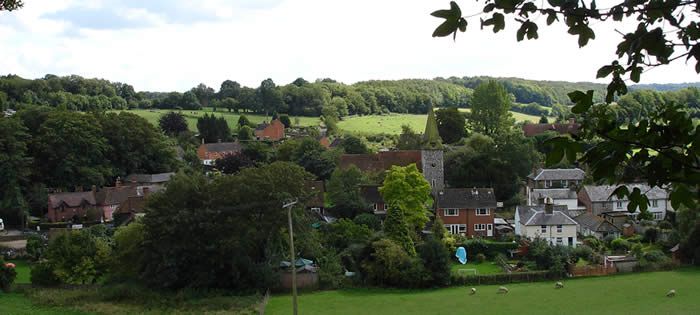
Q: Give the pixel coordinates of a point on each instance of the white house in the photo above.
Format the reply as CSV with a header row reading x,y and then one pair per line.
x,y
547,221
560,196
600,200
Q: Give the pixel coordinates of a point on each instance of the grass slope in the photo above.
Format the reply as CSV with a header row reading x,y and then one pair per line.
x,y
622,294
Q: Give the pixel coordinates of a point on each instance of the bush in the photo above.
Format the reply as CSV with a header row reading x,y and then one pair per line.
x,y
331,272
665,225
480,258
637,250
370,220
7,275
127,258
582,252
388,264
593,242
436,260
655,256
78,256
42,274
340,234
608,239
36,245
488,248
651,234
620,244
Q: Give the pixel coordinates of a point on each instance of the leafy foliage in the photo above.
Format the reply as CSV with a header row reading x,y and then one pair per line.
x,y
344,191
77,257
407,189
213,129
172,123
451,124
397,229
490,109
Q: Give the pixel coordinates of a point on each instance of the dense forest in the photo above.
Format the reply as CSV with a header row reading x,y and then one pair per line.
x,y
324,97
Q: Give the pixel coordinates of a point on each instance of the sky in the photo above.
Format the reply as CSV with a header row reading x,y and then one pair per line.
x,y
173,45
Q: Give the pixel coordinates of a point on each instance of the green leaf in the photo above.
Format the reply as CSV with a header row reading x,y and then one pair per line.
x,y
551,18
445,14
635,73
446,28
462,24
604,71
582,100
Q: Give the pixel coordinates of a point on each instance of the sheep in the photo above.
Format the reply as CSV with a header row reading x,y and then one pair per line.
x,y
558,285
472,291
671,293
502,290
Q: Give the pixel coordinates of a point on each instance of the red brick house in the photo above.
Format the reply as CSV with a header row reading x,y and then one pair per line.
x,y
274,131
110,198
467,211
571,128
210,152
69,205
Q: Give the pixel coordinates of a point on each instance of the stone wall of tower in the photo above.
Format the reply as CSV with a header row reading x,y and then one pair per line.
x,y
433,169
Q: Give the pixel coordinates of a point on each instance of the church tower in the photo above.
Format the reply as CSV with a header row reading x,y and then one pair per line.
x,y
432,155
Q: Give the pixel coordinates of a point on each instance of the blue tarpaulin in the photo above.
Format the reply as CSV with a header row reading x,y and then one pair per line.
x,y
461,254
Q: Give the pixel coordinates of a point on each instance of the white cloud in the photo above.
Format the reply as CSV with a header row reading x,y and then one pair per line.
x,y
249,41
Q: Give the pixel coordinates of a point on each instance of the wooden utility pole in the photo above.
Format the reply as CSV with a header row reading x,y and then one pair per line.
x,y
291,251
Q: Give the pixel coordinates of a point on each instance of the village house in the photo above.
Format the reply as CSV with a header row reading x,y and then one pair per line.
x,y
593,225
273,131
467,211
557,184
69,205
547,221
371,195
109,198
571,128
208,153
159,179
600,200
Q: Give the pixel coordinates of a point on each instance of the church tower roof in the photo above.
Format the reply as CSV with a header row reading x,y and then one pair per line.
x,y
431,136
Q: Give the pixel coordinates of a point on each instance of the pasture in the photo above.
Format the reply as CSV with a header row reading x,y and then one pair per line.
x,y
642,293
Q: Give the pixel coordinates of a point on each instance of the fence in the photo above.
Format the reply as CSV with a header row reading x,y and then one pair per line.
x,y
585,271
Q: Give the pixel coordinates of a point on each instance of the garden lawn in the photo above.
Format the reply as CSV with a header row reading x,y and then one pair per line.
x,y
643,293
18,304
23,271
484,268
390,124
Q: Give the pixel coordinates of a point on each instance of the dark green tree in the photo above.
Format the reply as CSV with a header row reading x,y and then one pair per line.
x,y
14,170
451,124
344,191
436,260
213,129
245,133
354,145
172,123
243,121
284,119
397,229
10,5
232,163
543,120
409,139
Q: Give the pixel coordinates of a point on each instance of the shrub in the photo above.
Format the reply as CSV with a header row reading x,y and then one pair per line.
x,y
35,247
608,239
619,244
284,119
436,260
655,256
78,257
388,264
370,220
665,225
42,274
488,248
331,273
340,234
637,250
582,252
593,242
651,234
126,260
480,258
7,275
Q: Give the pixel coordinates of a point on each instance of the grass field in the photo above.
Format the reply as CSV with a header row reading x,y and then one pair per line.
x,y
485,268
372,124
23,271
153,115
623,294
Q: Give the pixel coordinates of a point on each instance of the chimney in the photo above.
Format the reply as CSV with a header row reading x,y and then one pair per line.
x,y
548,206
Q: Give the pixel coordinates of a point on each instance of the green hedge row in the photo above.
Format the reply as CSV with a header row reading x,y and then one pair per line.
x,y
532,276
488,248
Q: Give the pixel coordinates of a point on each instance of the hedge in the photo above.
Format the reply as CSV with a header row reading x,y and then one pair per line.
x,y
488,248
531,276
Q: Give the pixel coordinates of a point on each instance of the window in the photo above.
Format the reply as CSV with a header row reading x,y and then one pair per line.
x,y
547,183
375,207
559,228
654,203
565,183
482,211
543,228
658,215
479,227
451,212
456,228
560,241
433,183
619,204
386,207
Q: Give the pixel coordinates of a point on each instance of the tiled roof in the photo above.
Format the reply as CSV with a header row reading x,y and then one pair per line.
x,y
558,174
381,161
604,192
72,199
133,204
535,215
371,193
596,223
535,129
115,195
149,178
223,147
466,198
